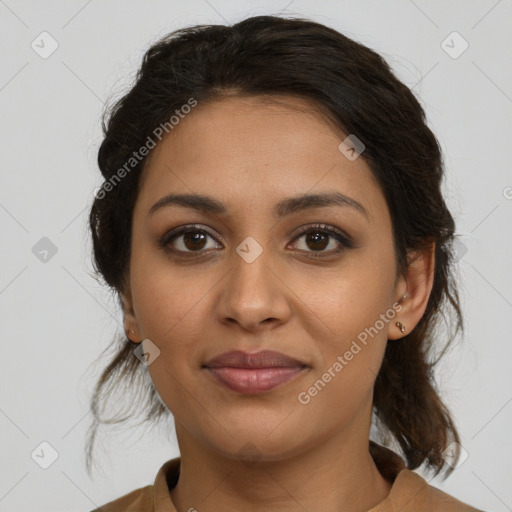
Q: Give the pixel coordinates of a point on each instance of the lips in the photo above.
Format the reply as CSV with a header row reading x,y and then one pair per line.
x,y
253,373
263,359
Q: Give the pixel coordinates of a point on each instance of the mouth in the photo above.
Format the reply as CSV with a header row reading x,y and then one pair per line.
x,y
254,373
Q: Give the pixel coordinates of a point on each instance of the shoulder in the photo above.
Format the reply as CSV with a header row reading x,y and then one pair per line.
x,y
411,493
139,500
151,497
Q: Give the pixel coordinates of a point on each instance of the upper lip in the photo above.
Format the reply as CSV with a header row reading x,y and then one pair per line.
x,y
263,359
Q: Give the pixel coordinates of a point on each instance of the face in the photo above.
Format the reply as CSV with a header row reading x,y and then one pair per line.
x,y
315,282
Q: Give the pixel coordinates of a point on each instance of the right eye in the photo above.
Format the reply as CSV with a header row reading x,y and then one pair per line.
x,y
188,239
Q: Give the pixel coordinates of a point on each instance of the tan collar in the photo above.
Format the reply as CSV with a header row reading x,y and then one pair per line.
x,y
409,493
388,462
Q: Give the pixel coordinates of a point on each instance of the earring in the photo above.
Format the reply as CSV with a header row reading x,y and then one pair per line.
x,y
400,326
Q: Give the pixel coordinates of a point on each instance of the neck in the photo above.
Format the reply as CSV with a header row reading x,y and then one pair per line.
x,y
337,475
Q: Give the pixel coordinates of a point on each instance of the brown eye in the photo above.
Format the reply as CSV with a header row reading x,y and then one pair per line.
x,y
189,239
319,238
317,241
194,240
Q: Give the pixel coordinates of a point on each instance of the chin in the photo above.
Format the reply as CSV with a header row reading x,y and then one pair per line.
x,y
248,443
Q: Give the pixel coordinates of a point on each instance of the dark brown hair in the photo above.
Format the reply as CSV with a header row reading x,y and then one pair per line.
x,y
274,55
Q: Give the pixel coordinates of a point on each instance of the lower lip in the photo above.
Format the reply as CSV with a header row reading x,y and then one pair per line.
x,y
254,380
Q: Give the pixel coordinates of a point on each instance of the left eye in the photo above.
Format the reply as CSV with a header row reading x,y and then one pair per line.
x,y
319,238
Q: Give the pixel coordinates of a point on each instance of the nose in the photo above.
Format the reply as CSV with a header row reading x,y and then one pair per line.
x,y
253,295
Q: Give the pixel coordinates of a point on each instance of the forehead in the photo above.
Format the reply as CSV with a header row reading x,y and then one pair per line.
x,y
257,150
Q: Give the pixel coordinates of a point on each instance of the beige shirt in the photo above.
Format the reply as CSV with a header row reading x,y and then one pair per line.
x,y
409,493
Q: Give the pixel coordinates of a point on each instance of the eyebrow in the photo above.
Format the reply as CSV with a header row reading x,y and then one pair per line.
x,y
288,206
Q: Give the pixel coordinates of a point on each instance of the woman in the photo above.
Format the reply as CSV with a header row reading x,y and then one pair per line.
x,y
273,224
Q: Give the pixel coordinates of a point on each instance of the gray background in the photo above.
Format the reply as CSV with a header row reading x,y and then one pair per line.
x,y
56,319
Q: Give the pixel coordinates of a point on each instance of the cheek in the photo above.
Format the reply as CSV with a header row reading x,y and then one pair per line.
x,y
357,314
172,313
341,386
166,300
350,300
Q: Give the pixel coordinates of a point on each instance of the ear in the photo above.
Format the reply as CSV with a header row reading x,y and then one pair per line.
x,y
416,285
129,320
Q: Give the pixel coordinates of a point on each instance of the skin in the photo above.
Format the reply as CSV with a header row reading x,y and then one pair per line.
x,y
250,154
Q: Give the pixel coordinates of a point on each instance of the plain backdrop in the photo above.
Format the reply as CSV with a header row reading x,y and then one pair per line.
x,y
56,319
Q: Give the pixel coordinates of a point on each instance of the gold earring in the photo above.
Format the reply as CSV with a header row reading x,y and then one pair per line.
x,y
400,326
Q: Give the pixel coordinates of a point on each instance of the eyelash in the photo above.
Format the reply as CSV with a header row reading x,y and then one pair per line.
x,y
338,235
